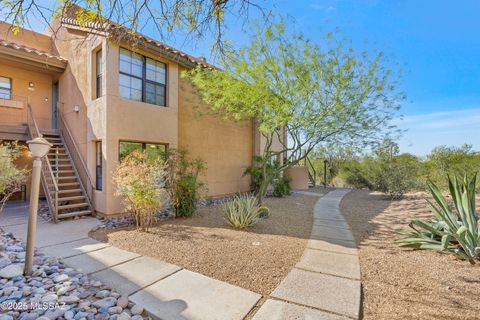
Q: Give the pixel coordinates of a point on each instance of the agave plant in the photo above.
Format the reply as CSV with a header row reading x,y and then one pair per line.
x,y
455,229
242,211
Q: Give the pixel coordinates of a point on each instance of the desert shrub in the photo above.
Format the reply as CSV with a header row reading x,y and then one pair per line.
x,y
455,228
263,212
242,211
281,186
11,177
183,181
443,161
256,177
397,177
140,181
262,173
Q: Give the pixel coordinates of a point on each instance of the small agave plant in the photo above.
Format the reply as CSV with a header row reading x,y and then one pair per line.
x,y
455,229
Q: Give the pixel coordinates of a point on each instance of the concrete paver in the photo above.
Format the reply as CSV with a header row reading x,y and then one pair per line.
x,y
189,295
337,264
325,292
135,274
333,245
100,259
281,310
342,224
322,232
73,248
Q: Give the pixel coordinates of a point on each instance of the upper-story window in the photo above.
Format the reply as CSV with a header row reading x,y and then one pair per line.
x,y
142,79
5,88
99,74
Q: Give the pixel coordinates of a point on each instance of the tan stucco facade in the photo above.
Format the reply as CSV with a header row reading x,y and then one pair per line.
x,y
226,147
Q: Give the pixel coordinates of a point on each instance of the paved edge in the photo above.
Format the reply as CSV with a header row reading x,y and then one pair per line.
x,y
326,280
134,275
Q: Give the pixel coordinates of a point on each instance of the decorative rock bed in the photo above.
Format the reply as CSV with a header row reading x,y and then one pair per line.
x,y
54,291
126,221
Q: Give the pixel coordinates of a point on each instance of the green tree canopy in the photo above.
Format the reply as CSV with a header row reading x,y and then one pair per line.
x,y
326,93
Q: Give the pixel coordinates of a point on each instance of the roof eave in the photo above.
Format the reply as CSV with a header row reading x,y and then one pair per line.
x,y
33,59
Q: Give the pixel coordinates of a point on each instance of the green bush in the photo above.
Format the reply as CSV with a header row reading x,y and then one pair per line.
x,y
139,180
242,211
184,185
256,177
11,177
454,229
186,195
281,186
263,212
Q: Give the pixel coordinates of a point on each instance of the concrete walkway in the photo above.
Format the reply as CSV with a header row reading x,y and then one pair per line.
x,y
325,283
164,290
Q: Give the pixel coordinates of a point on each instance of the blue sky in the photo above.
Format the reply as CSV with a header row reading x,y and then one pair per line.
x,y
435,44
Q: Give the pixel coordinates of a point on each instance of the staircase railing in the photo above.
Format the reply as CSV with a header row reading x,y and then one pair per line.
x,y
312,173
79,167
48,177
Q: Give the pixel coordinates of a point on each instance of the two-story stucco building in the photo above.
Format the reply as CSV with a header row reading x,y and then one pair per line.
x,y
96,98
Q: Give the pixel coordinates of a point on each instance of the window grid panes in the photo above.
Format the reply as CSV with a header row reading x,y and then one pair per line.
x,y
142,79
98,165
99,73
5,88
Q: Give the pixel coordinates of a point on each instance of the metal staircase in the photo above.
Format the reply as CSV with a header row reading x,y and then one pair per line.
x,y
61,180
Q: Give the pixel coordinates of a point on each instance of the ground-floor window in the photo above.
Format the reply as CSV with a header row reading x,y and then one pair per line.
x,y
5,88
98,165
153,150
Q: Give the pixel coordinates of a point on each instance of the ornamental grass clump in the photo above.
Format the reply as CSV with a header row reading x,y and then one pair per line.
x,y
455,228
140,182
242,211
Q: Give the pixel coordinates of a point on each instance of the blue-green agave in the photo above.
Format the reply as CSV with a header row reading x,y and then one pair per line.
x,y
455,228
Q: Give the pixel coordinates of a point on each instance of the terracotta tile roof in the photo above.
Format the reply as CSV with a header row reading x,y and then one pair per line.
x,y
16,46
111,27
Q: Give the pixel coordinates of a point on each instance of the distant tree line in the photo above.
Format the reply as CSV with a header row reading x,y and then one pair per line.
x,y
386,169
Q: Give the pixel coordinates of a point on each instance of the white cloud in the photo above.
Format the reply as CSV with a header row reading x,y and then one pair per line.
x,y
452,128
448,119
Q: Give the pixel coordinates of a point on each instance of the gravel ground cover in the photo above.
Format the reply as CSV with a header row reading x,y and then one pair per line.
x,y
54,291
257,259
400,283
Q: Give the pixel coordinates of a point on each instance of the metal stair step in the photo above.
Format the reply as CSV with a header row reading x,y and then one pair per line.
x,y
69,191
69,184
64,171
74,205
74,214
61,166
67,177
82,197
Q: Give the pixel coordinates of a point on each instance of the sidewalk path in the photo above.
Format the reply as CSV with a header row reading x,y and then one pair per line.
x,y
325,284
164,290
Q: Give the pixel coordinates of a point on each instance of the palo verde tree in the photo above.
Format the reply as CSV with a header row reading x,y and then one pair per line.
x,y
326,93
194,18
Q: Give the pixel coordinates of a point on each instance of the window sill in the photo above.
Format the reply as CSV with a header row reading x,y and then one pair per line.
x,y
143,103
11,104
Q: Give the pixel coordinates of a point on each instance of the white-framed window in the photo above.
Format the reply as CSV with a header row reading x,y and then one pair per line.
x,y
5,88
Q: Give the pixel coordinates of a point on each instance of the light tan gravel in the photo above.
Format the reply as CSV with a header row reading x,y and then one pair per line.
x,y
400,283
257,259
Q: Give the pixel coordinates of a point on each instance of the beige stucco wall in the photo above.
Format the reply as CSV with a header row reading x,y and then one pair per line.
x,y
226,147
27,38
40,96
298,177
